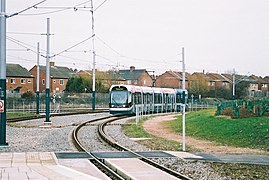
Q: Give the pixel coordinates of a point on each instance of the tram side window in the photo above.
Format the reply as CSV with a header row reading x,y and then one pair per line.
x,y
157,98
150,98
179,98
137,98
147,98
169,97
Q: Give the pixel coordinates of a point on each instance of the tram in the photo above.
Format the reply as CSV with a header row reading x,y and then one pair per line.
x,y
128,99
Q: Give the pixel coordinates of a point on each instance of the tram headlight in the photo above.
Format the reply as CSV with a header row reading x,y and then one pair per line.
x,y
124,105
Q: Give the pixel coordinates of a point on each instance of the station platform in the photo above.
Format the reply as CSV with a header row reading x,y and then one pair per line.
x,y
42,165
50,165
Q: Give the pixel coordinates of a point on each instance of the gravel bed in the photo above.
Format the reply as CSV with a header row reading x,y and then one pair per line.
x,y
32,136
89,137
195,170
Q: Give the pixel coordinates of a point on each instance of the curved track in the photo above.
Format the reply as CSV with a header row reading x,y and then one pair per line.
x,y
98,162
119,147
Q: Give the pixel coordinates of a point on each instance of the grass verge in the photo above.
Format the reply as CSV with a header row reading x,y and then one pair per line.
x,y
15,115
252,132
154,143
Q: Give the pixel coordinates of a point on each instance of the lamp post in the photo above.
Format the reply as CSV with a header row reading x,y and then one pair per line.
x,y
184,103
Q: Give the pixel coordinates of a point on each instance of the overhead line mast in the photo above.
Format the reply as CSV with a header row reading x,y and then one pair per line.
x,y
94,55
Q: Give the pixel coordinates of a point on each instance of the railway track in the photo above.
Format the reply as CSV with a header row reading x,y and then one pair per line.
x,y
113,143
96,161
17,119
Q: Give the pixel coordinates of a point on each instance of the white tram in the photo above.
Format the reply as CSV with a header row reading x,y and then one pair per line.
x,y
124,99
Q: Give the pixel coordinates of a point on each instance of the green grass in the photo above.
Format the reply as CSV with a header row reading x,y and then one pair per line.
x,y
155,143
15,115
252,132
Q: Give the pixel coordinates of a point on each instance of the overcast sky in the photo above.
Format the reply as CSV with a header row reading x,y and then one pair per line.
x,y
218,35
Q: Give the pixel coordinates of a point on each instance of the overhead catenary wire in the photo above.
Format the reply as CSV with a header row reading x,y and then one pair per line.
x,y
17,13
25,33
56,11
74,45
20,44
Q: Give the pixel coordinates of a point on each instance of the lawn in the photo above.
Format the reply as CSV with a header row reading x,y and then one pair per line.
x,y
15,115
155,143
252,132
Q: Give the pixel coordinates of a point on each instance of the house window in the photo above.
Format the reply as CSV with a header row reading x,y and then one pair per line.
x,y
61,82
211,83
129,82
12,81
224,83
264,85
6,80
23,81
29,81
135,82
43,81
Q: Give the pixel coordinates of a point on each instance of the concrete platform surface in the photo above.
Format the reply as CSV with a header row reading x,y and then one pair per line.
x,y
37,165
223,158
138,169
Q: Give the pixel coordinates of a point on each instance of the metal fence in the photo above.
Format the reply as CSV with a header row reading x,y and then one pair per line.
x,y
59,102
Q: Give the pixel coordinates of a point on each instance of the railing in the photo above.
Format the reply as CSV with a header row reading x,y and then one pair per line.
x,y
257,107
59,103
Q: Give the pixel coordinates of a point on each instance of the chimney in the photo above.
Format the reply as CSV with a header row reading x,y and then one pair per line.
x,y
132,68
52,64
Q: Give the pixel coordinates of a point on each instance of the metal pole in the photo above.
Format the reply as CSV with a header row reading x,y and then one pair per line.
x,y
37,80
3,73
93,66
48,74
184,103
233,83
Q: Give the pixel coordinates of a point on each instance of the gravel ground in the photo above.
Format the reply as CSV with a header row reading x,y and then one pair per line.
x,y
30,137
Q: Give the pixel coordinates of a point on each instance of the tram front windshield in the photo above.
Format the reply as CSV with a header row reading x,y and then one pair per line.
x,y
119,97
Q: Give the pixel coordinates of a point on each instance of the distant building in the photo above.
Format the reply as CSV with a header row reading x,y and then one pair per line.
x,y
172,79
58,77
217,80
132,76
18,79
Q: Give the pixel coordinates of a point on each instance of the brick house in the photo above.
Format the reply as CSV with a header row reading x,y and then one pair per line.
x,y
260,83
266,79
18,79
58,77
218,81
172,79
139,77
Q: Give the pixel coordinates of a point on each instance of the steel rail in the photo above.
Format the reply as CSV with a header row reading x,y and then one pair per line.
x,y
114,144
98,162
